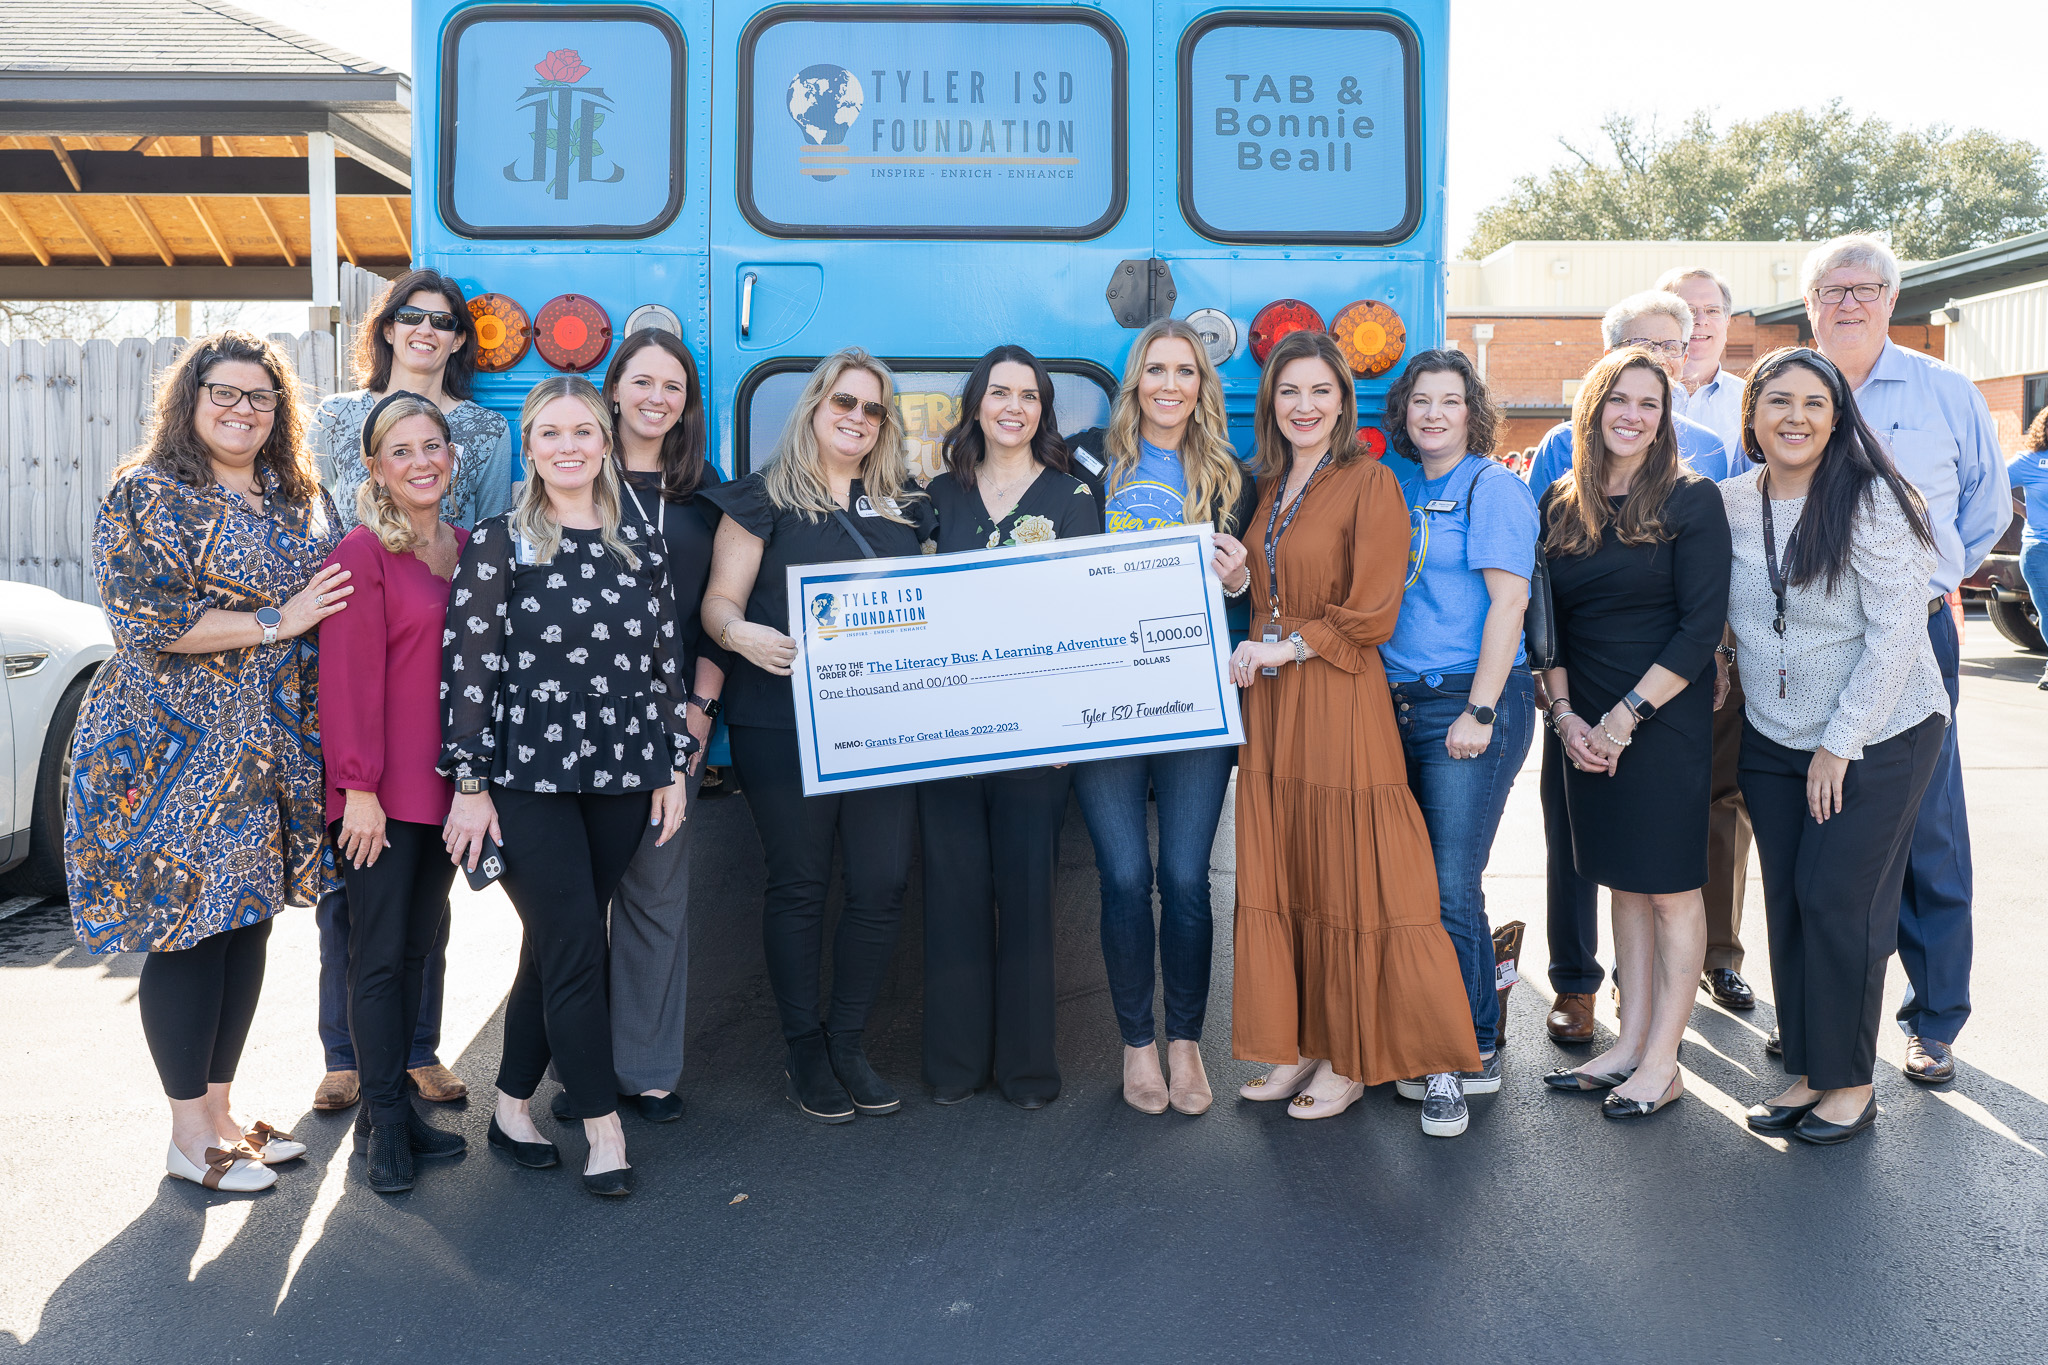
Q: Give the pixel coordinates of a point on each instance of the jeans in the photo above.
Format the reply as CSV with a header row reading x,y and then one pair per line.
x,y
1462,800
1935,936
332,919
2034,569
1188,789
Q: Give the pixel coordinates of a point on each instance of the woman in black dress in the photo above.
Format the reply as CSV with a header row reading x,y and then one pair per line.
x,y
1638,551
837,488
566,735
991,843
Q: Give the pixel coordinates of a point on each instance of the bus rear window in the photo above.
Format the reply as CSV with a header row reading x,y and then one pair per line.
x,y
561,123
1300,128
910,123
927,398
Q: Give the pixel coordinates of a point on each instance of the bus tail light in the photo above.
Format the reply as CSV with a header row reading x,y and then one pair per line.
x,y
1371,336
572,332
503,332
655,316
1373,442
1218,333
1276,320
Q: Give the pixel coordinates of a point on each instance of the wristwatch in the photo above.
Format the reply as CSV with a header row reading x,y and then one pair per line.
x,y
270,618
710,706
1483,714
1643,709
471,786
1300,648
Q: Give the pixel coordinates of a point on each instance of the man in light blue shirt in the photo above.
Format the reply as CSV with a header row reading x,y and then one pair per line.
x,y
1705,392
1942,438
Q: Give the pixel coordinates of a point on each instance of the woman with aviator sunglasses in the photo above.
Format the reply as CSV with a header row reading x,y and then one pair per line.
x,y
420,340
836,488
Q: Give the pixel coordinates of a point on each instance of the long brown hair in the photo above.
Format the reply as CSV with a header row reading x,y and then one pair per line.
x,y
174,444
1275,452
373,353
682,450
1580,514
1207,459
965,446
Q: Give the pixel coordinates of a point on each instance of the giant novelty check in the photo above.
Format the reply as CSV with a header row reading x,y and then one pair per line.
x,y
1060,652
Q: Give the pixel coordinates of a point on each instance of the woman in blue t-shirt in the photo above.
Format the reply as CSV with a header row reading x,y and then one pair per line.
x,y
1165,459
1462,691
2029,470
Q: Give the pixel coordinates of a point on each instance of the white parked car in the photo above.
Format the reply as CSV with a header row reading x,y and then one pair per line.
x,y
51,647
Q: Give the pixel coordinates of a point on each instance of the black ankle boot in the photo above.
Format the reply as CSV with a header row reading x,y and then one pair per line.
x,y
422,1137
871,1094
810,1084
389,1159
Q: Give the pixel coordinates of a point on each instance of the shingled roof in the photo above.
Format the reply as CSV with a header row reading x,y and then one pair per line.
x,y
197,36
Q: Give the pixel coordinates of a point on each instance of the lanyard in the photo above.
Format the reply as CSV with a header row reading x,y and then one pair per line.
x,y
660,518
1778,581
1273,535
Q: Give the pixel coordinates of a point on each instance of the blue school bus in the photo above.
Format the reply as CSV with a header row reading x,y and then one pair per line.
x,y
777,180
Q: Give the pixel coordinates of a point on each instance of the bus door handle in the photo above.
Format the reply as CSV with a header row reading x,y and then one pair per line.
x,y
747,303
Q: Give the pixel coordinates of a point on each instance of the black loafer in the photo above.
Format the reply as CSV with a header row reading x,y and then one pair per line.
x,y
952,1094
1818,1131
538,1155
660,1108
610,1184
1030,1101
1774,1044
1729,989
1776,1118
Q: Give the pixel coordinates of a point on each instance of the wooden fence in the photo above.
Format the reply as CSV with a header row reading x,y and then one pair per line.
x,y
70,410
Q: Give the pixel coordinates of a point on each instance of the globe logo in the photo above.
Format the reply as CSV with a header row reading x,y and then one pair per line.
x,y
825,100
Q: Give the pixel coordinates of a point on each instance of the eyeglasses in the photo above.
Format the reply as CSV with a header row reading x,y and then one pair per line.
x,y
227,395
1660,347
846,402
1832,294
413,317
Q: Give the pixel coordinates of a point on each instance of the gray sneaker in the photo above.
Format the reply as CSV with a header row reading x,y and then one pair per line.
x,y
1443,1106
1484,1081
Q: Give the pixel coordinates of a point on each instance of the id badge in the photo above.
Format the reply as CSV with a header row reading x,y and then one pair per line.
x,y
1270,636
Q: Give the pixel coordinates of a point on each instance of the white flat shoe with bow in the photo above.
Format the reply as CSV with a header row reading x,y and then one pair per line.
x,y
235,1170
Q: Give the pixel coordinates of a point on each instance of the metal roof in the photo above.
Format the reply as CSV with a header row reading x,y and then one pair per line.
x,y
193,36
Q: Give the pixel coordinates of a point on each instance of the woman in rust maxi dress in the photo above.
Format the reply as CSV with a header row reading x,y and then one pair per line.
x,y
1344,975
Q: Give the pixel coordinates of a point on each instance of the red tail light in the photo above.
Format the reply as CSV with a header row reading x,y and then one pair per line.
x,y
1372,441
572,332
1276,320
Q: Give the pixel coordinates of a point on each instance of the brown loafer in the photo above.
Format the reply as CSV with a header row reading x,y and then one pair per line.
x,y
1929,1062
338,1090
1571,1018
438,1083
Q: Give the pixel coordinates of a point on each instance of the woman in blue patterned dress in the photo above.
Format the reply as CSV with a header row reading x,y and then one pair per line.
x,y
195,810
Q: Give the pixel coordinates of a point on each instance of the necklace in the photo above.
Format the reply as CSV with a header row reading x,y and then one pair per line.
x,y
1002,495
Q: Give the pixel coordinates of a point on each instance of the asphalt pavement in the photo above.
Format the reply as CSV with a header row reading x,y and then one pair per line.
x,y
1085,1231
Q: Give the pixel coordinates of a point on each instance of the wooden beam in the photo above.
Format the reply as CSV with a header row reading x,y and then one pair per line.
x,y
276,233
144,145
156,239
212,233
91,239
35,247
398,226
64,159
227,148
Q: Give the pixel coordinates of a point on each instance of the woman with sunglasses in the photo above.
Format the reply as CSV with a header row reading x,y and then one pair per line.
x,y
420,340
1843,720
991,844
835,488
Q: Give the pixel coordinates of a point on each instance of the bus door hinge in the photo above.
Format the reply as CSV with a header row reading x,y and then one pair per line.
x,y
1140,291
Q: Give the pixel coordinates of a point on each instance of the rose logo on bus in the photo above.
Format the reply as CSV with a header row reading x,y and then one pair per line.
x,y
566,118
825,101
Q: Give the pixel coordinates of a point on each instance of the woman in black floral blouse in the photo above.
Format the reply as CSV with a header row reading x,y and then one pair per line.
x,y
991,843
566,734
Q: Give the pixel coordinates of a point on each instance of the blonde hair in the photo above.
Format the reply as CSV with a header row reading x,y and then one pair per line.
x,y
375,507
534,517
1207,458
795,477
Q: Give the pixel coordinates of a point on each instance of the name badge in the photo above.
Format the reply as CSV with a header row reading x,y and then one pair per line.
x,y
1440,505
1088,461
524,552
866,508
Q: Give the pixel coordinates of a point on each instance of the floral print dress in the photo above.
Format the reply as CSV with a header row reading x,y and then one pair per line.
x,y
196,802
561,676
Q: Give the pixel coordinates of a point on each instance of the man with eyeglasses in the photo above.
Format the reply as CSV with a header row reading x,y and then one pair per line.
x,y
1705,392
1662,323
1941,436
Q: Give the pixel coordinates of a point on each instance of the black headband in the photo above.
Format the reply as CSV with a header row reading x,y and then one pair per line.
x,y
370,422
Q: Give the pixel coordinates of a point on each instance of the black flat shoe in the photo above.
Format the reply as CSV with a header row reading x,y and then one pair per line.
x,y
1615,1107
610,1184
1585,1082
1774,1043
1776,1118
952,1094
870,1093
538,1155
388,1161
1821,1133
660,1108
423,1137
808,1082
1728,988
1029,1101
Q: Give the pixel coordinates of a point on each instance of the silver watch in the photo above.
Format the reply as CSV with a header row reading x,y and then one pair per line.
x,y
1300,648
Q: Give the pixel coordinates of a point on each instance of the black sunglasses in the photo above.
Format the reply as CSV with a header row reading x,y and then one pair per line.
x,y
413,317
846,402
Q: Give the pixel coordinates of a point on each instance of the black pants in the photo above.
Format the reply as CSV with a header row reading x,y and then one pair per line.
x,y
991,853
197,1004
564,855
1572,901
1831,893
397,910
797,832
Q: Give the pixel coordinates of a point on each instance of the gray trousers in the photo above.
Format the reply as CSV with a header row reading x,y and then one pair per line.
x,y
650,961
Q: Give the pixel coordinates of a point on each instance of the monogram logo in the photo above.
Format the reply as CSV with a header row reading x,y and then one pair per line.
x,y
566,118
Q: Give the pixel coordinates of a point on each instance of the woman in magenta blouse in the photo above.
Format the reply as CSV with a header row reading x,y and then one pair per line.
x,y
380,723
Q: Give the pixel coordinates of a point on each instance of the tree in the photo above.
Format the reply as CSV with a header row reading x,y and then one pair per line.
x,y
1801,175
